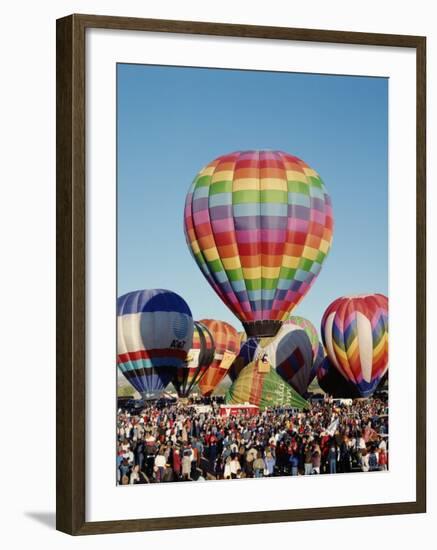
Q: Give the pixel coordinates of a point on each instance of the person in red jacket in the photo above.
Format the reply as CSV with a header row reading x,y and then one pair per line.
x,y
177,463
383,460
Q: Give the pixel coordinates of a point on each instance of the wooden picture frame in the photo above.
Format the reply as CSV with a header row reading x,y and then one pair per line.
x,y
71,254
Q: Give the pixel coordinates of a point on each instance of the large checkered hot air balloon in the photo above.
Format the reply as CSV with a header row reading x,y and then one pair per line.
x,y
154,334
355,336
259,225
199,358
226,346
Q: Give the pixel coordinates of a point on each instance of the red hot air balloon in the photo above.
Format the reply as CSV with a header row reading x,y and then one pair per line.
x,y
226,343
259,225
355,336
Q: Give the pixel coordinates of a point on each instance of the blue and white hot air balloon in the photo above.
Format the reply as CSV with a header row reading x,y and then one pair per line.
x,y
154,335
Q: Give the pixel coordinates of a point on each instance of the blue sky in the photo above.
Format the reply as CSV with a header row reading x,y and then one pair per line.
x,y
172,121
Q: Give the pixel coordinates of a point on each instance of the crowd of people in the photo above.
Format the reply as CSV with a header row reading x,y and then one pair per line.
x,y
187,442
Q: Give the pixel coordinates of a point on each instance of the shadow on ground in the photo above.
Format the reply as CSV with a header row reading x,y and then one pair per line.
x,y
45,518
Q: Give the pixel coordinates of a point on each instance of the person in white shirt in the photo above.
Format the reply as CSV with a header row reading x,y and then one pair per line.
x,y
235,467
364,461
129,456
159,465
135,475
227,471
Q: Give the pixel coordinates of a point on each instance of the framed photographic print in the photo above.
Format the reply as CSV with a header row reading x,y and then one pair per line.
x,y
240,274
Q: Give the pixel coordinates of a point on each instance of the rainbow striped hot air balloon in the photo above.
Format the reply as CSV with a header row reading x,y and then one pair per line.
x,y
259,225
154,334
226,344
355,335
199,358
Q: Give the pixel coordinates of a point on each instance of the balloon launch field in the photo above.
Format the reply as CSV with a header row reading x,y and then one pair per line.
x,y
226,368
259,226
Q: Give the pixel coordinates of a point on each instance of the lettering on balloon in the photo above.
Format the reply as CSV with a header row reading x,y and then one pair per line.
x,y
178,344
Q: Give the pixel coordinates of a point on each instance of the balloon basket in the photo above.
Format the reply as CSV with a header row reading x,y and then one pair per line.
x,y
262,329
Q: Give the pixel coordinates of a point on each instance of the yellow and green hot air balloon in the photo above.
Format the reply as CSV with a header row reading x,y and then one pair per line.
x,y
259,384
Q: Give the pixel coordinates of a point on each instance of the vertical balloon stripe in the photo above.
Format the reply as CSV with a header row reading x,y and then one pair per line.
x,y
273,206
365,347
247,231
223,229
352,350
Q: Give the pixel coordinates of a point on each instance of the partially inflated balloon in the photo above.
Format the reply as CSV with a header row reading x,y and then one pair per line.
x,y
317,347
262,386
154,334
259,225
309,328
355,335
226,344
199,358
245,356
289,352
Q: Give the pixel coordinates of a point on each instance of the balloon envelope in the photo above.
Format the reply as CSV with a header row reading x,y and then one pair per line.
x,y
246,355
333,383
199,358
226,346
355,335
319,358
289,352
259,225
263,387
316,345
309,328
154,334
